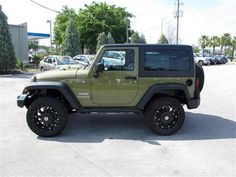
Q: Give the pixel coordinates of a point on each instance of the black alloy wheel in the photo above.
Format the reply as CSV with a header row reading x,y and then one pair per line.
x,y
165,115
47,117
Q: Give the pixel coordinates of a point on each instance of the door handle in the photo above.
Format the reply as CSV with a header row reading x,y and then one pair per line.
x,y
131,77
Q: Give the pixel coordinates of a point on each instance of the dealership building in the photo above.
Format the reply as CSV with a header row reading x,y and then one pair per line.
x,y
20,37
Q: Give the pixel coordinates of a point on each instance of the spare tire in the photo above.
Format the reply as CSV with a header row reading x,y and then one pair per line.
x,y
200,75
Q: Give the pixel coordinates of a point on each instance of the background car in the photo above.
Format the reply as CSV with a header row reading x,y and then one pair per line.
x,y
201,59
84,59
57,62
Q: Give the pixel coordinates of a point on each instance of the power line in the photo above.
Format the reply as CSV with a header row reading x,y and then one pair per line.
x,y
44,6
151,29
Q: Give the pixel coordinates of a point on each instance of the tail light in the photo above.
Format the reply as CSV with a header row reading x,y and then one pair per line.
x,y
197,83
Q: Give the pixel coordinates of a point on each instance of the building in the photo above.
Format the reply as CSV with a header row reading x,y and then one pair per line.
x,y
20,41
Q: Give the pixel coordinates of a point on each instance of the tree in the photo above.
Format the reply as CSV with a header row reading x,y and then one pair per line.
x,y
233,42
225,41
60,25
215,42
171,34
137,39
100,17
34,45
143,39
203,42
110,39
103,39
71,44
7,53
162,40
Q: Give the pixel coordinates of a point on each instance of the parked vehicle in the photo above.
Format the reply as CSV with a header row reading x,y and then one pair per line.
x,y
223,59
57,62
201,59
210,58
163,79
84,59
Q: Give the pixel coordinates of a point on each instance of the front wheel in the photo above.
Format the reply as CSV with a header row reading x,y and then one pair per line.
x,y
165,116
46,117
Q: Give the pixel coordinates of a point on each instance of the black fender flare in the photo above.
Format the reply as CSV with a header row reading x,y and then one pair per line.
x,y
63,88
161,88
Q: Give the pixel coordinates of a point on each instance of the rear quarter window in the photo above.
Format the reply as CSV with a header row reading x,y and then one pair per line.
x,y
166,62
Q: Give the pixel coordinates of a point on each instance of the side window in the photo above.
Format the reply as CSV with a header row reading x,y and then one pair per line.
x,y
118,60
167,60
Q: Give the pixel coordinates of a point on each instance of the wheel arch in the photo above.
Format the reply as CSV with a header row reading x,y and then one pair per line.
x,y
178,91
51,88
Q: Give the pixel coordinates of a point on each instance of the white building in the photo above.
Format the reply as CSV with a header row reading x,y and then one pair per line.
x,y
20,41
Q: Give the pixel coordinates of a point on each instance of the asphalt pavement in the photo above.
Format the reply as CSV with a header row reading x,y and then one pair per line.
x,y
122,145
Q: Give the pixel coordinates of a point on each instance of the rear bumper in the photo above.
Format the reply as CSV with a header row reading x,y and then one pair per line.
x,y
21,100
193,103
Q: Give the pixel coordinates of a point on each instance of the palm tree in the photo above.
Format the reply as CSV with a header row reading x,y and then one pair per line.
x,y
203,42
215,42
233,42
225,41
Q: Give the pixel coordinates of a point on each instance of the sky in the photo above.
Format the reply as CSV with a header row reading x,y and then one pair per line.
x,y
198,17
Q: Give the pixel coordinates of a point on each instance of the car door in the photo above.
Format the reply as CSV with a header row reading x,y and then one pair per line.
x,y
117,84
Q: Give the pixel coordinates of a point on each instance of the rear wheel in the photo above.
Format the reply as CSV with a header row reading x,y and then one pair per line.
x,y
165,116
46,117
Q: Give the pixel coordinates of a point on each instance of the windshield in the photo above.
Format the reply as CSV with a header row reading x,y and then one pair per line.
x,y
65,60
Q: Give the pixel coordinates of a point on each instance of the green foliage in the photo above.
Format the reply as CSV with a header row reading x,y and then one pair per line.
x,y
71,44
203,41
233,42
33,45
61,23
104,39
137,39
215,42
162,40
225,41
7,53
110,39
37,58
196,49
100,17
20,64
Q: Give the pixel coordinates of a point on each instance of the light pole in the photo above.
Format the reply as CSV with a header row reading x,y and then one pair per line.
x,y
127,30
50,23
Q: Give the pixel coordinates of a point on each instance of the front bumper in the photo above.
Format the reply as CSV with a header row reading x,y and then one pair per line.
x,y
21,100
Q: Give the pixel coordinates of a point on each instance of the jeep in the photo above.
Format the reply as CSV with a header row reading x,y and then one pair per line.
x,y
152,80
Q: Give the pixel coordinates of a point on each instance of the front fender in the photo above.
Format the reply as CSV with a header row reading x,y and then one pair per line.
x,y
63,88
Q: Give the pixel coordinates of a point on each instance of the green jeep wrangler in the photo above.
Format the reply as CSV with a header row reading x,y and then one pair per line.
x,y
153,80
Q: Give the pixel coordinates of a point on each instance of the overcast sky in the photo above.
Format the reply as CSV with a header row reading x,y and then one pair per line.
x,y
209,17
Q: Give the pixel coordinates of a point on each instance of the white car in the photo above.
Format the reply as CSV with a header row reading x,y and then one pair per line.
x,y
57,62
84,59
201,60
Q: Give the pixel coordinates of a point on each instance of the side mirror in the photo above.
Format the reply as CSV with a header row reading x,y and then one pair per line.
x,y
99,68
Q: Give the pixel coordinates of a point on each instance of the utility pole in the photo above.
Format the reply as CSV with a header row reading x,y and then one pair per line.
x,y
177,17
50,23
127,30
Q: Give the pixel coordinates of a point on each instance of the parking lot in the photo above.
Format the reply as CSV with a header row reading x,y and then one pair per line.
x,y
122,145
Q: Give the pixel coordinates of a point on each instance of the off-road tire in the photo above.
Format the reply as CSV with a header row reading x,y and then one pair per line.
x,y
47,117
165,116
200,75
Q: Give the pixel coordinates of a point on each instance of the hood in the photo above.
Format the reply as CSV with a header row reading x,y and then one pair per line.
x,y
57,74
